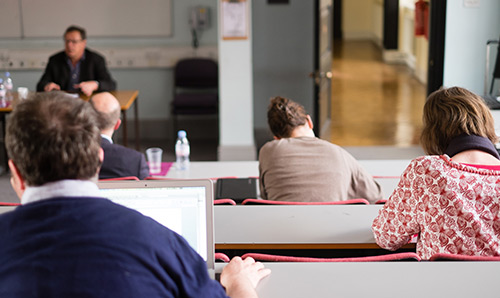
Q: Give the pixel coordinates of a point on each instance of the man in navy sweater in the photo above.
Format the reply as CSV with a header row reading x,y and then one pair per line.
x,y
119,161
67,241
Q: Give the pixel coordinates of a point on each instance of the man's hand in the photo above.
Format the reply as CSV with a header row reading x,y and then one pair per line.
x,y
51,86
87,87
240,277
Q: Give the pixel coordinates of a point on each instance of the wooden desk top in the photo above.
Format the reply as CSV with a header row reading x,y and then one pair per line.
x,y
125,97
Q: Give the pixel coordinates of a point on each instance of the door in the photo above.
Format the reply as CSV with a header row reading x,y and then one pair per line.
x,y
436,46
323,68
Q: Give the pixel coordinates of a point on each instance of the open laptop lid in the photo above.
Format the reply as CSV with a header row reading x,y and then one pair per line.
x,y
184,206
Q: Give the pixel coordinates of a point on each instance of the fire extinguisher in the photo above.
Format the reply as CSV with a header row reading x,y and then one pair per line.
x,y
426,20
420,7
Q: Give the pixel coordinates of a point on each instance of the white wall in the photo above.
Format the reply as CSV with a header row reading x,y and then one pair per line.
x,y
467,30
236,140
154,84
283,45
357,20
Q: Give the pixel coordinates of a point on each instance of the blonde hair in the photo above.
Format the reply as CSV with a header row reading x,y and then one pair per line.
x,y
451,112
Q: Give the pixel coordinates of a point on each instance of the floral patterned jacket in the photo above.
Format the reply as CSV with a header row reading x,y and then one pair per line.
x,y
453,207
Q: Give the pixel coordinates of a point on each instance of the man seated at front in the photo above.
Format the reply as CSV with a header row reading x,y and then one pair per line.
x,y
76,69
65,240
119,161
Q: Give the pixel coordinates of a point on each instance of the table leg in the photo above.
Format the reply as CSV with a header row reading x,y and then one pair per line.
x,y
136,122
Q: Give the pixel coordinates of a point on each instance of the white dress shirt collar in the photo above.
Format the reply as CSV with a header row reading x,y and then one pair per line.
x,y
63,188
107,138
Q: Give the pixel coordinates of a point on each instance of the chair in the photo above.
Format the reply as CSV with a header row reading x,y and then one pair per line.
x,y
237,189
217,178
221,257
224,202
120,178
453,257
269,202
488,96
404,256
196,82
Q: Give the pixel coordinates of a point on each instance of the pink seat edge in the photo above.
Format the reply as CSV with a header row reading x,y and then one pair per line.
x,y
271,202
381,258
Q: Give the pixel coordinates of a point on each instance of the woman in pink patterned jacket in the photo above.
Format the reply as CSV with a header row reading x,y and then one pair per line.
x,y
451,197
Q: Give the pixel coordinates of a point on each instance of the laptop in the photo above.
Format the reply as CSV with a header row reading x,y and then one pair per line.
x,y
184,206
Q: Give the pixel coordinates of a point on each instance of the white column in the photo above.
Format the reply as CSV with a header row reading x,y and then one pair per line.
x,y
236,141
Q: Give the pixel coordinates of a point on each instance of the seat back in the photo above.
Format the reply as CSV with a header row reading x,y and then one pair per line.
x,y
9,204
221,257
195,90
454,257
196,73
496,69
270,202
120,178
224,202
405,256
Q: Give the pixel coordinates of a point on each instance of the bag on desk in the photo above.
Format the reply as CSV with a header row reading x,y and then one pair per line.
x,y
237,189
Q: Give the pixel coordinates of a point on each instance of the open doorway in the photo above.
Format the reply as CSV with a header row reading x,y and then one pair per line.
x,y
377,93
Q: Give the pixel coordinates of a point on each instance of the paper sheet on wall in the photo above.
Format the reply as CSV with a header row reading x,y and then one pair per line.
x,y
234,20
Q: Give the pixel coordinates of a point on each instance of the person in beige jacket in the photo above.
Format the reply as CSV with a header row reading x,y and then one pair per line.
x,y
297,166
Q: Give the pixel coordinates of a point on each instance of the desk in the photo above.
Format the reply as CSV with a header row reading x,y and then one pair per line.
x,y
213,169
295,227
209,169
380,279
386,172
4,209
125,97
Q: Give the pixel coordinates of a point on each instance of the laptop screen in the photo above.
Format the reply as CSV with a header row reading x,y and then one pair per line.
x,y
184,206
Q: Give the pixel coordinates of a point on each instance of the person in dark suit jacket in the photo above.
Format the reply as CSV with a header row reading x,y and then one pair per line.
x,y
76,69
119,161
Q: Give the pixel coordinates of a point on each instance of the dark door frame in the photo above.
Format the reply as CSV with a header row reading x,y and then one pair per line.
x,y
316,65
437,30
337,20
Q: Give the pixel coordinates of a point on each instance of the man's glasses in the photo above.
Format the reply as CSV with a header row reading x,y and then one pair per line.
x,y
72,41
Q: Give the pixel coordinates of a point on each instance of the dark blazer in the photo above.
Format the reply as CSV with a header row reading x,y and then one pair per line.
x,y
93,68
120,161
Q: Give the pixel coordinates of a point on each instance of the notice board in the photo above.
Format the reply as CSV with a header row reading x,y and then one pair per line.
x,y
101,18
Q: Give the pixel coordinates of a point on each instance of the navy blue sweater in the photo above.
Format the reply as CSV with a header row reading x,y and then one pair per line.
x,y
91,247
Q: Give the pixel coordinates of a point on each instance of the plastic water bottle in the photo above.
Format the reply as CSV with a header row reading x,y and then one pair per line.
x,y
182,151
9,85
2,89
3,102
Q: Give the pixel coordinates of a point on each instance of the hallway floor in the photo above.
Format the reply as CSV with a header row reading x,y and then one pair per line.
x,y
373,103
